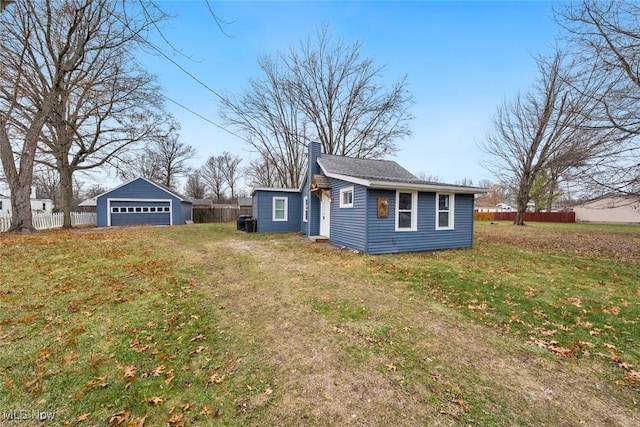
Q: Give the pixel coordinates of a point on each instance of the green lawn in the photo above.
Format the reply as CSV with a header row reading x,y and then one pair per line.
x,y
204,325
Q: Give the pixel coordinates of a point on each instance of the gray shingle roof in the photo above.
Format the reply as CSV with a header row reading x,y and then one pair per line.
x,y
384,170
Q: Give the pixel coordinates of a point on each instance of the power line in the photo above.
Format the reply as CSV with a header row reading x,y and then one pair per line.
x,y
204,118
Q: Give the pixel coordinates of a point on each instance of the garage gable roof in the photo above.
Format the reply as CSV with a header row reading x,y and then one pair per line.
x,y
160,186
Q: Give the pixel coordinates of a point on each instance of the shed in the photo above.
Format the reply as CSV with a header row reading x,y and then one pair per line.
x,y
142,201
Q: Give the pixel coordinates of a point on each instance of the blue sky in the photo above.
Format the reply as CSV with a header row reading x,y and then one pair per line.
x,y
463,59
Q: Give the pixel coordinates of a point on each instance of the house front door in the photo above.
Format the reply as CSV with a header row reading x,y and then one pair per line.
x,y
325,214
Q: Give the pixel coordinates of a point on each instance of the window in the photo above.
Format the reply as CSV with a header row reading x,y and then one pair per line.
x,y
444,211
406,211
115,210
305,209
280,208
145,209
152,209
166,208
44,206
346,197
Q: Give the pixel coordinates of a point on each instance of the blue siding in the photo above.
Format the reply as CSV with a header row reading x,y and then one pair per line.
x,y
186,212
139,192
263,211
312,227
382,237
348,225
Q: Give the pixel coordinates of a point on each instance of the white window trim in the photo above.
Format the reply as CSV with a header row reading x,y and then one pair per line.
x,y
414,210
305,209
286,209
342,192
452,203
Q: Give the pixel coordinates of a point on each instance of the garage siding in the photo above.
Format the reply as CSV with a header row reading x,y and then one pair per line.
x,y
141,201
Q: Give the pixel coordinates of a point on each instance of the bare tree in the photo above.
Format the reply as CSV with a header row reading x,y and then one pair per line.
x,y
195,186
211,173
319,91
47,183
496,194
68,67
549,124
162,160
604,37
261,173
231,171
428,177
268,113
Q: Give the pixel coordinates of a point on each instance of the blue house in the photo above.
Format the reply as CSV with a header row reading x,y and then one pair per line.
x,y
373,206
141,201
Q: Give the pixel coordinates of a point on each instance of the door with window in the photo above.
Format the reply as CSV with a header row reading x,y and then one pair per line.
x,y
325,215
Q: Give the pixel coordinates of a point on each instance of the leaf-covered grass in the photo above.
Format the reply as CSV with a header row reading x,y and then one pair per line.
x,y
204,325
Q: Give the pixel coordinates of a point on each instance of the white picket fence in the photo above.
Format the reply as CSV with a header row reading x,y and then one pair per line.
x,y
44,221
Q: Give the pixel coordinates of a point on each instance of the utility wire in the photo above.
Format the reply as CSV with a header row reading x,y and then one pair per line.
x,y
204,118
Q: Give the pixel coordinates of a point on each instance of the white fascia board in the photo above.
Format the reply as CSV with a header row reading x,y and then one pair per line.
x,y
347,178
272,189
444,188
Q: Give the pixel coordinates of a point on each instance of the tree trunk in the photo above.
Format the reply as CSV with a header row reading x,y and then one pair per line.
x,y
521,206
66,194
19,181
21,215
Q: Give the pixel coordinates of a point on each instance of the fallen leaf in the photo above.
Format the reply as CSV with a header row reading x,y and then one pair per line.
x,y
215,379
176,419
633,377
155,400
197,350
198,337
119,418
158,370
611,310
82,418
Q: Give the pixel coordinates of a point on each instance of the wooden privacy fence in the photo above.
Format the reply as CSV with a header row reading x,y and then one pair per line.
x,y
44,221
528,216
221,214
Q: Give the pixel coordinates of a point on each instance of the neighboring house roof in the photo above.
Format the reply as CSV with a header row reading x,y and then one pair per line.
x,y
163,187
614,198
245,201
482,204
89,203
208,204
382,174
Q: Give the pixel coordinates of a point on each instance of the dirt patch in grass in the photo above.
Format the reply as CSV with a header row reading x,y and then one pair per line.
x,y
351,349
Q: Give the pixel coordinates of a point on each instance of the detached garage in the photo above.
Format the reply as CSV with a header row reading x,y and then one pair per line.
x,y
141,201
